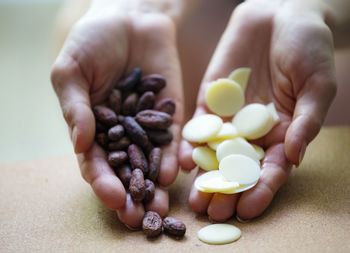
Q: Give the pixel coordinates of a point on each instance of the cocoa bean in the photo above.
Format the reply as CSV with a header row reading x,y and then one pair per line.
x,y
137,158
135,132
159,137
102,140
100,128
154,119
146,101
131,80
166,105
121,144
130,104
115,101
174,227
116,133
152,224
149,191
105,115
124,174
154,158
153,82
117,158
137,185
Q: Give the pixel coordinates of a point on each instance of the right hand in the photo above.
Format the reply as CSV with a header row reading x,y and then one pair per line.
x,y
101,47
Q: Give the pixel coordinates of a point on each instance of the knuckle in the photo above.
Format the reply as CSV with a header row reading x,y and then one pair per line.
x,y
63,69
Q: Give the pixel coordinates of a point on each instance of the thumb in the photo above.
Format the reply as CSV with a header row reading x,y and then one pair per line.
x,y
310,111
73,94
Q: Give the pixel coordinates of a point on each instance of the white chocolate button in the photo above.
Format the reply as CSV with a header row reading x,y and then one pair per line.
x,y
227,131
239,168
205,176
202,128
236,146
259,151
205,158
214,144
241,188
217,184
224,97
253,121
272,109
219,234
241,76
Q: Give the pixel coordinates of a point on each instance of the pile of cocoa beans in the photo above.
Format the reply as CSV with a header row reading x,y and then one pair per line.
x,y
131,127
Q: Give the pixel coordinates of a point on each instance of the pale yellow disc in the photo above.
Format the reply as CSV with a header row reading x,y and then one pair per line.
x,y
217,184
205,158
219,234
227,131
253,121
241,76
272,109
224,97
202,128
214,144
259,151
235,146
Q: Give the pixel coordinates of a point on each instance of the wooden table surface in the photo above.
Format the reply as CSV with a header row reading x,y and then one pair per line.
x,y
45,206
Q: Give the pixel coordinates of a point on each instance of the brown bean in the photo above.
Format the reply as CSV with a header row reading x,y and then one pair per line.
x,y
137,185
117,158
102,140
146,101
152,224
135,132
124,174
153,82
149,191
121,144
115,101
137,158
154,158
174,227
166,105
116,133
100,128
154,119
159,137
105,115
130,104
131,80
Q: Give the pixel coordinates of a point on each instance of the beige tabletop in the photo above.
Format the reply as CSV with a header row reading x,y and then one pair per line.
x,y
45,206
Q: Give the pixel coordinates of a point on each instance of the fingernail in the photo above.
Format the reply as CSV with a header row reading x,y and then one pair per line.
x,y
131,228
242,220
302,152
74,137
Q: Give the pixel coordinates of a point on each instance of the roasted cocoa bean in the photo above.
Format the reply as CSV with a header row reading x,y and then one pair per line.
x,y
174,227
131,80
105,115
116,133
117,158
121,144
137,185
135,132
152,224
137,158
100,128
149,191
102,140
130,104
154,119
166,105
153,82
154,158
115,101
124,174
159,137
146,101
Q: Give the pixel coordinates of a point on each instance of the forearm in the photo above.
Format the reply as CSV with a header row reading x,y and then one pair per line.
x,y
176,9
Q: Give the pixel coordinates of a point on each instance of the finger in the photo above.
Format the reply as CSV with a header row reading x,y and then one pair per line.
x,y
199,201
132,213
97,172
222,206
73,94
275,172
160,202
310,112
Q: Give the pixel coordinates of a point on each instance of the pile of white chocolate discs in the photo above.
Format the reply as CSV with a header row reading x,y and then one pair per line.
x,y
223,148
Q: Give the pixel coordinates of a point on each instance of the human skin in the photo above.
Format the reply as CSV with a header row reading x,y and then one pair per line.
x,y
289,46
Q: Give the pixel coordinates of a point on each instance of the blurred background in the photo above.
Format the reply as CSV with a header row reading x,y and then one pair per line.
x,y
31,123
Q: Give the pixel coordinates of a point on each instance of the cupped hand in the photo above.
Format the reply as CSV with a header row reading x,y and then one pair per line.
x,y
290,51
99,50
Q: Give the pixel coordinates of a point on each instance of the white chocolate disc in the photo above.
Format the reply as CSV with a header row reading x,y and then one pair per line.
x,y
202,128
259,151
241,76
219,234
236,146
205,158
214,144
272,109
239,168
224,97
253,121
227,131
217,184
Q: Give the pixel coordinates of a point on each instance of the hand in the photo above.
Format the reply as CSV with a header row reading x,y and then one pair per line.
x,y
290,51
101,47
